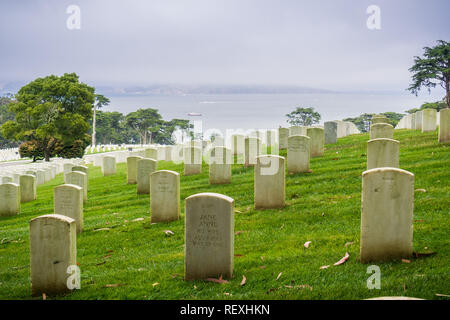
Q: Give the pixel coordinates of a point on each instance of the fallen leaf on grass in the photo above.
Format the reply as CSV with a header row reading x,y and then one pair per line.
x,y
155,284
262,267
238,232
406,261
101,229
100,263
307,243
44,296
237,211
238,255
279,275
324,267
114,285
168,233
227,294
244,280
262,258
138,219
345,258
108,256
442,295
301,286
220,280
348,244
421,190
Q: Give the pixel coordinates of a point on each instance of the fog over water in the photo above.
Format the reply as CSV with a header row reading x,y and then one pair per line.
x,y
265,111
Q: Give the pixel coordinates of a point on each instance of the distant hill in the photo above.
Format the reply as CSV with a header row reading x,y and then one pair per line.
x,y
165,89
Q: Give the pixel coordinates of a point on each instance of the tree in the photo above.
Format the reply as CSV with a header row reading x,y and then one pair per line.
x,y
432,69
101,101
303,117
164,135
393,117
362,122
145,121
51,116
6,115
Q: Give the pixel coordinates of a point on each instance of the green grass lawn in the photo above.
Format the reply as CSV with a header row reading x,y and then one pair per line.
x,y
324,207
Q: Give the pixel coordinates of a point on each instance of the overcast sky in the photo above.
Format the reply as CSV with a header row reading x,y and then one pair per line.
x,y
322,44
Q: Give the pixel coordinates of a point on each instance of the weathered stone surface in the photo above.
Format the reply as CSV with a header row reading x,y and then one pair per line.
x,y
429,120
9,199
209,236
298,154
53,249
77,178
68,201
151,153
83,169
132,169
144,168
109,166
379,119
418,119
220,165
381,130
297,131
444,125
317,141
383,152
164,196
386,214
68,167
253,147
330,128
28,188
269,184
192,161
238,144
283,134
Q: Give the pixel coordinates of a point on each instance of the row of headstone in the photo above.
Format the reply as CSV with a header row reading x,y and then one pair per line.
x,y
427,120
20,185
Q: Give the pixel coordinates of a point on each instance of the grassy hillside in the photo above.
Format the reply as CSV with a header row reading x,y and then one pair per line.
x,y
142,262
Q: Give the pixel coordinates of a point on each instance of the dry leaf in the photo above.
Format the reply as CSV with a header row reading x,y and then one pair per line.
x,y
44,296
421,190
279,275
244,280
155,284
101,229
442,295
220,280
262,258
324,267
262,267
114,285
168,232
345,258
138,219
227,294
406,261
238,255
307,243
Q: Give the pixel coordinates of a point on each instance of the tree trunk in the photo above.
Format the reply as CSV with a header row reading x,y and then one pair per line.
x,y
94,118
447,89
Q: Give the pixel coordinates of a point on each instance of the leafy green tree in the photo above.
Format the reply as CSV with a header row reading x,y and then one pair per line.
x,y
145,121
432,69
6,115
110,127
100,101
362,122
393,117
303,117
164,135
52,114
